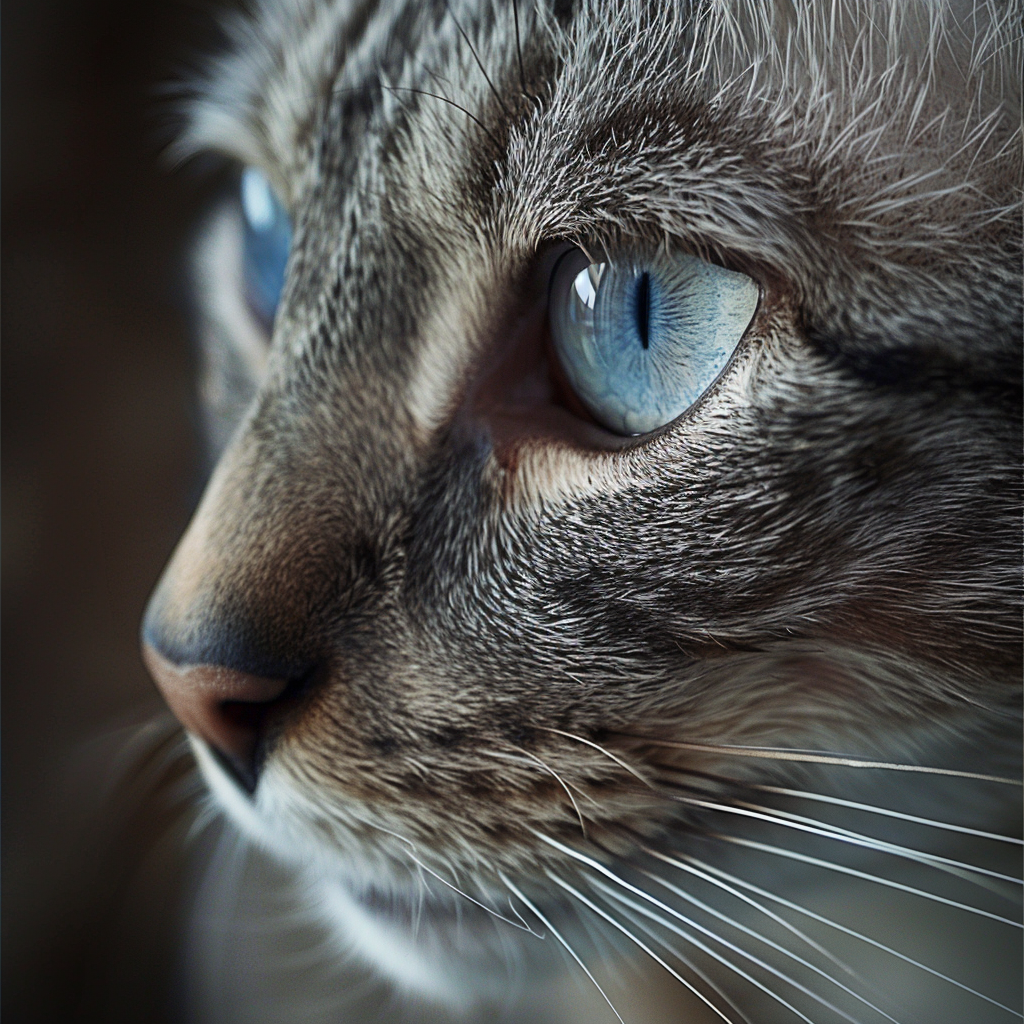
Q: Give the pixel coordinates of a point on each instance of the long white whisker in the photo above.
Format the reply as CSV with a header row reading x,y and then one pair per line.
x,y
528,760
638,922
777,918
955,867
420,890
558,779
787,819
601,869
411,854
565,945
625,931
887,812
597,746
773,945
512,907
820,757
693,940
852,933
465,895
853,872
525,758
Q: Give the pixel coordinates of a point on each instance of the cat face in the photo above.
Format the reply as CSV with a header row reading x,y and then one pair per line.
x,y
440,611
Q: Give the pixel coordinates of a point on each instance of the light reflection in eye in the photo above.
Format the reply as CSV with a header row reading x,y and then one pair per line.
x,y
586,288
257,199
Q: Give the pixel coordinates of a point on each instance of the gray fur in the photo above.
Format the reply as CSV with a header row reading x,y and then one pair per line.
x,y
824,553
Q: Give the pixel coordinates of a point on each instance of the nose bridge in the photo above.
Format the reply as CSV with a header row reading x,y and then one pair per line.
x,y
268,555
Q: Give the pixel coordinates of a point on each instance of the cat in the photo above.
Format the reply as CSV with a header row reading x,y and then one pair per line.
x,y
612,553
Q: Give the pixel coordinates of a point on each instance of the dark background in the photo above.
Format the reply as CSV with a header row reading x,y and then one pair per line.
x,y
99,462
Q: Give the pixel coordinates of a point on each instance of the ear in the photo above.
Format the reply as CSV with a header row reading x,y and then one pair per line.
x,y
233,341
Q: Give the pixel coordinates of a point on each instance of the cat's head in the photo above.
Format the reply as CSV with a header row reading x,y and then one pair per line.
x,y
475,587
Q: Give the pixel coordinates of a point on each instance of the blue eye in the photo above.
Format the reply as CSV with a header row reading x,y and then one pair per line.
x,y
641,341
268,238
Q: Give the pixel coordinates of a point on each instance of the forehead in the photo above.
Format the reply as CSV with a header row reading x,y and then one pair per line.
x,y
866,142
290,63
624,93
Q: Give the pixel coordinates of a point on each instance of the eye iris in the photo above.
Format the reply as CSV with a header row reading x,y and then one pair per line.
x,y
688,316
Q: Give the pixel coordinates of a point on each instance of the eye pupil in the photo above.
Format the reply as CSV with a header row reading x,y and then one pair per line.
x,y
643,308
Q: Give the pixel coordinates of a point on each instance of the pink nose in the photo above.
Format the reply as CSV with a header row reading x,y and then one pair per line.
x,y
225,707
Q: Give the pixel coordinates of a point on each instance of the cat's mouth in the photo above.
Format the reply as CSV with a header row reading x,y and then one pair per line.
x,y
412,908
436,943
424,899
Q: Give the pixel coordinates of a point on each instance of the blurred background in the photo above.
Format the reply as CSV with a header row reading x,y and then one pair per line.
x,y
98,474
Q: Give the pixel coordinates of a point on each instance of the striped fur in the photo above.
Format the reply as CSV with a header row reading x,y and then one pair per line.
x,y
522,650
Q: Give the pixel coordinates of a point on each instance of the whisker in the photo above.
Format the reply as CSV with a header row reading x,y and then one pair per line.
x,y
972,873
640,923
476,57
787,819
597,746
887,812
420,891
519,48
411,56
565,945
773,945
777,918
954,867
625,931
820,757
821,919
411,854
512,907
602,870
525,761
558,779
700,781
444,99
853,872
693,940
465,895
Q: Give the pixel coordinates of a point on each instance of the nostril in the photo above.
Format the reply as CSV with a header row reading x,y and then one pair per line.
x,y
238,739
245,714
229,709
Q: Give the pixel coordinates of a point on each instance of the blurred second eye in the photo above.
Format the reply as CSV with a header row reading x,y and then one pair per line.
x,y
267,241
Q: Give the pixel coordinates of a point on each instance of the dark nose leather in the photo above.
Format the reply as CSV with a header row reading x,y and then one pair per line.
x,y
224,706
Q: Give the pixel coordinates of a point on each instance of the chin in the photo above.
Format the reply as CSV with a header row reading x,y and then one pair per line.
x,y
431,941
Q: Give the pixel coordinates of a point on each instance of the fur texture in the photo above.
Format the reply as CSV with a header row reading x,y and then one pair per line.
x,y
537,653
